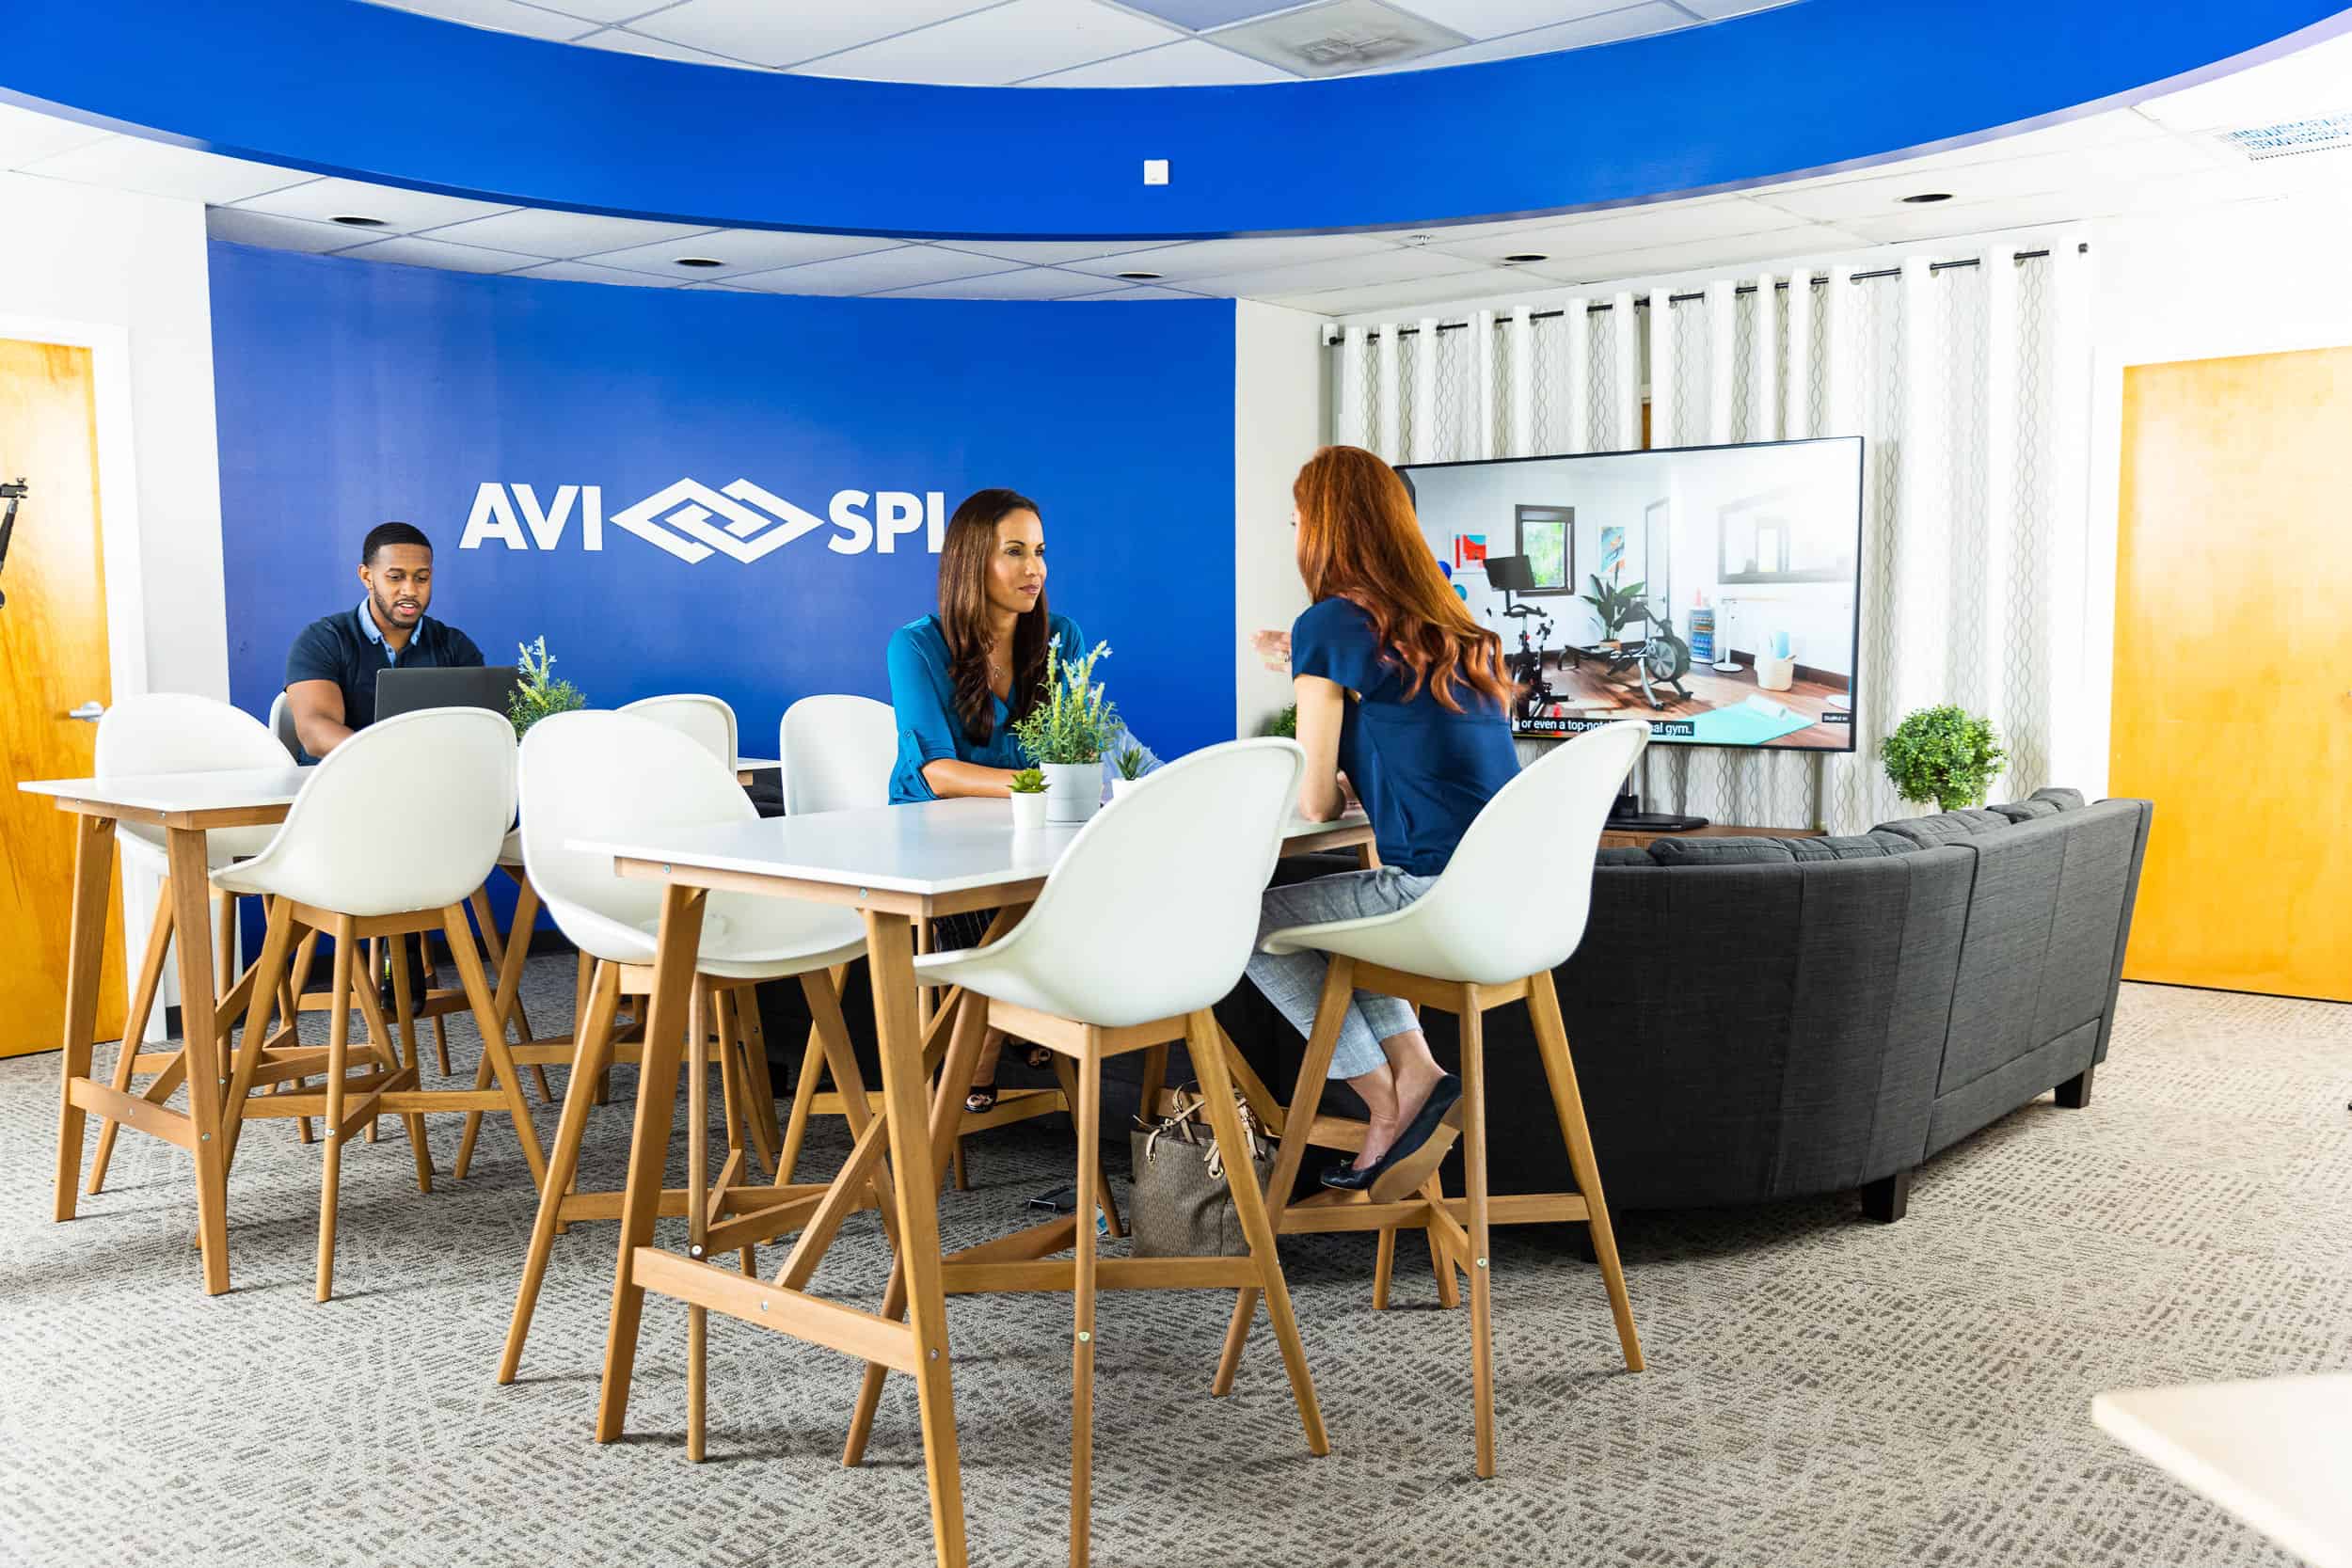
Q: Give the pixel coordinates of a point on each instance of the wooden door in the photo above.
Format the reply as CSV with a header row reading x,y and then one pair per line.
x,y
2234,669
52,658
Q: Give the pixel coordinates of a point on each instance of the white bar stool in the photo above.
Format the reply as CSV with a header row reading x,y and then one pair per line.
x,y
1145,922
589,775
391,833
1508,909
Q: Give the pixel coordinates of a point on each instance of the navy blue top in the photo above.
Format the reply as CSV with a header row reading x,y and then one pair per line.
x,y
923,694
346,648
1422,770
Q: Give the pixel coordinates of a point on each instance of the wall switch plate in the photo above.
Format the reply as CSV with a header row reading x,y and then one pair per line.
x,y
1156,172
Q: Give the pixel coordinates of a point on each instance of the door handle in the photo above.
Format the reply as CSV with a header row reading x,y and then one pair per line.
x,y
88,713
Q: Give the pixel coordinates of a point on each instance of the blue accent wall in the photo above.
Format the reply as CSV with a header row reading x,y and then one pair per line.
x,y
380,94
352,392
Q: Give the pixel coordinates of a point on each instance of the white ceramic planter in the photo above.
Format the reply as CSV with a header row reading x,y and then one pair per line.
x,y
1774,674
1120,787
1029,812
1074,790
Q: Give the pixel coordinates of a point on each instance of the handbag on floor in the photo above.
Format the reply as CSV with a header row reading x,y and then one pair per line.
x,y
1178,1205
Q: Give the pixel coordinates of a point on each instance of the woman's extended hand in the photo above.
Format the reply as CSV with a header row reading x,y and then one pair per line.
x,y
1272,649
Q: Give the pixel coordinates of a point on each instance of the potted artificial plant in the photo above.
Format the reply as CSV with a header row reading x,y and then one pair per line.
x,y
1943,754
537,693
1129,761
1614,606
1066,733
1028,799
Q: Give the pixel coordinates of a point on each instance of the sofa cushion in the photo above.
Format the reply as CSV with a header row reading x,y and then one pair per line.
x,y
1721,851
1859,847
2065,800
2025,810
1623,855
1950,826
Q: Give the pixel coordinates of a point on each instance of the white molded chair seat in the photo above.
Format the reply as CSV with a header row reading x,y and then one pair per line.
x,y
176,731
837,752
1512,902
281,724
708,721
511,848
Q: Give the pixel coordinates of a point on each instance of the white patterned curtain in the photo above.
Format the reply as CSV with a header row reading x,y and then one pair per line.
x,y
1967,377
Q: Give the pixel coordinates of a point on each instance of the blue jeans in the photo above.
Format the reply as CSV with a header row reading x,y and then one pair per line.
x,y
1293,981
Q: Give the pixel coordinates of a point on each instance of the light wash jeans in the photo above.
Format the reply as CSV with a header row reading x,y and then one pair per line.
x,y
1293,981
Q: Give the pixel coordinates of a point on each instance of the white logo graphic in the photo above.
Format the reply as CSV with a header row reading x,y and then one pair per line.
x,y
693,522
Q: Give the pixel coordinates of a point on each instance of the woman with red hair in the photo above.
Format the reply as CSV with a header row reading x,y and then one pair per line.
x,y
1404,693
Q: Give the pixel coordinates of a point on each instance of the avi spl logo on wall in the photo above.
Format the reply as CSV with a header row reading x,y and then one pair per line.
x,y
694,522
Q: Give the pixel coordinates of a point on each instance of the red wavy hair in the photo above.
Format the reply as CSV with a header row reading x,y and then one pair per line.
x,y
1360,540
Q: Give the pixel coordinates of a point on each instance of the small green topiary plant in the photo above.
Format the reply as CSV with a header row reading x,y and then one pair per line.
x,y
1130,761
537,693
1945,754
1028,780
1073,721
1285,723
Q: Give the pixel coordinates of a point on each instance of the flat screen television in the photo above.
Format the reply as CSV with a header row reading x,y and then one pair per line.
x,y
1711,591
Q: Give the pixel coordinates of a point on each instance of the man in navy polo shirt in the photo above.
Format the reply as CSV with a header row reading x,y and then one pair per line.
x,y
331,675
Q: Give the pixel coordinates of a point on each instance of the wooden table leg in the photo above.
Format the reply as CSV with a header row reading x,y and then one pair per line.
x,y
679,947
192,925
93,878
890,957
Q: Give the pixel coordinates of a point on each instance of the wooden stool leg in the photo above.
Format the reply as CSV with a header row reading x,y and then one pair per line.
x,y
594,1032
804,1101
1154,1080
1383,1265
225,944
135,1028
381,1034
1448,1286
751,1082
266,985
698,1025
337,1044
761,1077
1088,1106
1208,1058
957,1170
1551,1042
1089,1153
477,987
601,1090
472,1128
1474,1174
1339,986
495,946
299,981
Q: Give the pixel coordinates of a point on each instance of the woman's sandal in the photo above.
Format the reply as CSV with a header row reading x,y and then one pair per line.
x,y
1036,1056
981,1096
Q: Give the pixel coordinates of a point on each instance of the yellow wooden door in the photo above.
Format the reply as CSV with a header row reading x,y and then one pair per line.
x,y
52,658
2234,669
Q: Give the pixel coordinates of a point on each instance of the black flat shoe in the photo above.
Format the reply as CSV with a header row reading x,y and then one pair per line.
x,y
980,1097
1417,1151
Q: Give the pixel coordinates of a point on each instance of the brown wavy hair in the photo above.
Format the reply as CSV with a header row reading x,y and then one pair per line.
x,y
1360,540
963,566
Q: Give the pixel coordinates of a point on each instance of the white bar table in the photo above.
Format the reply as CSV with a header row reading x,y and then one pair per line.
x,y
2276,1452
186,806
746,766
896,866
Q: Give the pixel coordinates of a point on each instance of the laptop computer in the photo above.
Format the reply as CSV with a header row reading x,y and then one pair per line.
x,y
399,691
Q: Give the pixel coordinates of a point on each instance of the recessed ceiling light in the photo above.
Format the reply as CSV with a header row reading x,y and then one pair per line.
x,y
698,261
1143,276
354,221
1527,256
1926,197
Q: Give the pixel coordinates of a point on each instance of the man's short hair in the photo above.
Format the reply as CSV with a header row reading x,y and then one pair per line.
x,y
391,533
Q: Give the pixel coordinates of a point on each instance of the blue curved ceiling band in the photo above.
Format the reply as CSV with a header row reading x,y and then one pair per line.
x,y
343,88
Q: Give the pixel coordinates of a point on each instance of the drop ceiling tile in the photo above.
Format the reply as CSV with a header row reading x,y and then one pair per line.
x,y
1205,258
1340,38
599,10
742,251
1200,15
411,251
2119,163
240,227
1389,265
155,169
404,211
576,272
1047,253
1714,217
504,16
1188,62
622,40
1030,283
1629,22
1139,291
1479,19
1659,261
1420,291
561,236
902,268
1717,11
1004,43
766,32
26,137
2308,83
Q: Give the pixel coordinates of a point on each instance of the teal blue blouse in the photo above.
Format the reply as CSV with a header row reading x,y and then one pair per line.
x,y
923,694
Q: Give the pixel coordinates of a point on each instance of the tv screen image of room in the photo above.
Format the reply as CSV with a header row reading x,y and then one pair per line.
x,y
1708,592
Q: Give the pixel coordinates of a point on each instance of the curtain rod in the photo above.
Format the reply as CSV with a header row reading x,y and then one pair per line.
x,y
1335,334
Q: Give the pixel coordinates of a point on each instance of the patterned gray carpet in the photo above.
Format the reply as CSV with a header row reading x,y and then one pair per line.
x,y
1821,1390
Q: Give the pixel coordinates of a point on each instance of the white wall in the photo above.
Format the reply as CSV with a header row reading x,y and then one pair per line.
x,y
1277,424
126,274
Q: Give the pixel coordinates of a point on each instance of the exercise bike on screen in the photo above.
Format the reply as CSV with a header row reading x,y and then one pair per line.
x,y
1658,661
1526,667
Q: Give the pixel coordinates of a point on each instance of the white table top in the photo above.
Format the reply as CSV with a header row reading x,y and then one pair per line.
x,y
936,847
754,765
2276,1452
224,790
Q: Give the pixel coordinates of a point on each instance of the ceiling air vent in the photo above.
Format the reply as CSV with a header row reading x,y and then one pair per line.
x,y
2291,138
1338,37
